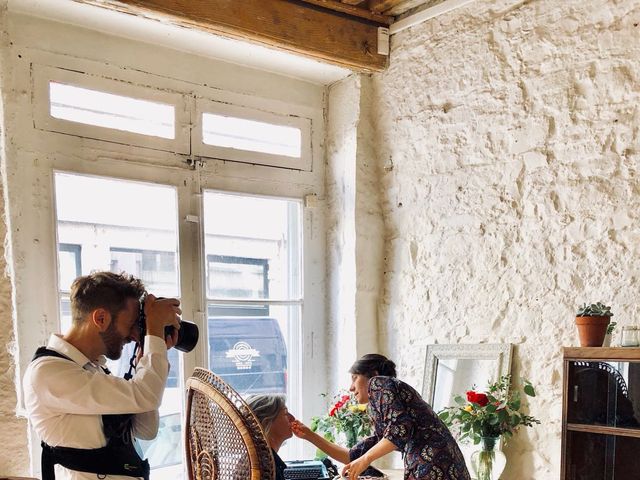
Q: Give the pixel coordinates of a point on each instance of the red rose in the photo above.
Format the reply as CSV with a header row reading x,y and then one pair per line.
x,y
479,398
345,399
332,412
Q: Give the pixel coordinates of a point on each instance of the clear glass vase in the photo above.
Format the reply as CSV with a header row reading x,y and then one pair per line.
x,y
488,462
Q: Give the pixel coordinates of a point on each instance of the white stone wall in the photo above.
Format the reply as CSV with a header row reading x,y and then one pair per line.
x,y
14,459
509,140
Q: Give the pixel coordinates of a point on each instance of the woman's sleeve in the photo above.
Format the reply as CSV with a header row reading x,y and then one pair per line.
x,y
388,399
362,447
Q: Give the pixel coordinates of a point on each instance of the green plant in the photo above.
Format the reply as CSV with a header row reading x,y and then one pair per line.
x,y
594,310
491,414
345,416
611,327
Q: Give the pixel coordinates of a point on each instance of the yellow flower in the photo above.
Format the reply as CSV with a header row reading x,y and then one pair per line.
x,y
468,408
362,407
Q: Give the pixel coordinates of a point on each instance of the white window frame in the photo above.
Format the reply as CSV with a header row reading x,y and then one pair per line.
x,y
204,105
59,145
43,120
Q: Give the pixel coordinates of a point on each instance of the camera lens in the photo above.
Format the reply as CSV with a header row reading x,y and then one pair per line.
x,y
187,335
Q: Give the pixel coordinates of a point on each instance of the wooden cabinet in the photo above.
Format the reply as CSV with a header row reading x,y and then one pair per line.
x,y
601,414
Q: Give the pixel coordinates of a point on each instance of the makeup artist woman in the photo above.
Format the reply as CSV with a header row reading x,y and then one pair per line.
x,y
402,421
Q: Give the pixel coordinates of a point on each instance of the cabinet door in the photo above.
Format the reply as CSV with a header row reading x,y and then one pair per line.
x,y
594,456
604,393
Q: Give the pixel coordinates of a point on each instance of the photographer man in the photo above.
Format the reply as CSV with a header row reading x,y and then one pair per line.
x,y
85,417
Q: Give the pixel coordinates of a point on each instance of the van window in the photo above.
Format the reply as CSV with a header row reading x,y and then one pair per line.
x,y
249,353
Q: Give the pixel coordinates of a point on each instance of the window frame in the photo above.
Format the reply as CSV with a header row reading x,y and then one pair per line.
x,y
33,203
258,113
42,75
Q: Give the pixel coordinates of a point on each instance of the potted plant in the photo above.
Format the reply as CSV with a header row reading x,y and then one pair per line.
x,y
592,322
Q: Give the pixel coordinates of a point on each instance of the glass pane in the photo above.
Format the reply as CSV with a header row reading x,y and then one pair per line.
x,y
69,264
158,269
253,247
593,456
604,393
250,352
251,135
95,218
102,109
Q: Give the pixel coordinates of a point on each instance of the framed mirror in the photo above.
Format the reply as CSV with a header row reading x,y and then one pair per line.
x,y
452,369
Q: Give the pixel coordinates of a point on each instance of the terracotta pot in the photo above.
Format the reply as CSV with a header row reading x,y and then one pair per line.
x,y
592,330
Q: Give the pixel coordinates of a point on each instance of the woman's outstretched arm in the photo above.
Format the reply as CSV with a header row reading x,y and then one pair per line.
x,y
336,452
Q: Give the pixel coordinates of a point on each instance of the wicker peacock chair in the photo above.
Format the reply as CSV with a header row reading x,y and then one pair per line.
x,y
224,440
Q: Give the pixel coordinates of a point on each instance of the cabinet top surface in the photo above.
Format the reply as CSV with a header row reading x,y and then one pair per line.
x,y
601,353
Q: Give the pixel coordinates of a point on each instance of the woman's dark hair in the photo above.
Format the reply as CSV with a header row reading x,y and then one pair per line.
x,y
373,364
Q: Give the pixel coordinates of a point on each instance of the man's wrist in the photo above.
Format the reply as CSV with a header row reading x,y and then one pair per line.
x,y
155,330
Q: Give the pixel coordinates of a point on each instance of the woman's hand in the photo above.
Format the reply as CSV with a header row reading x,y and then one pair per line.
x,y
353,469
300,430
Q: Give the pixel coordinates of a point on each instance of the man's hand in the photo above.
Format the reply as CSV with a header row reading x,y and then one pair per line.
x,y
162,313
172,339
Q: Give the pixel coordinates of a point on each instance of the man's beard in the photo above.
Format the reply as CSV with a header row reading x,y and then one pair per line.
x,y
112,341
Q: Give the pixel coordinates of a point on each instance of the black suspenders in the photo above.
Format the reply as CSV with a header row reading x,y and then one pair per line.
x,y
119,457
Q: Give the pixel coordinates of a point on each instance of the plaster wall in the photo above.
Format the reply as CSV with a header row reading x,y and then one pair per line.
x,y
508,137
343,114
355,236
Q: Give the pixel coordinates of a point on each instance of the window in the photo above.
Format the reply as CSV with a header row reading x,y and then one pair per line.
x,y
101,108
158,269
253,304
69,264
252,135
111,236
240,280
69,267
77,104
254,131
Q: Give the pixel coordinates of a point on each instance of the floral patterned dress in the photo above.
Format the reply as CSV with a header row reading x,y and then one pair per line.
x,y
400,415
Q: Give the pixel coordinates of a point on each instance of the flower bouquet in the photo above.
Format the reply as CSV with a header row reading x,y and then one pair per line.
x,y
484,417
346,417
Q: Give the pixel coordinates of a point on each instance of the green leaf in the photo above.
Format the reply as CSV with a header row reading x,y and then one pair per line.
x,y
529,390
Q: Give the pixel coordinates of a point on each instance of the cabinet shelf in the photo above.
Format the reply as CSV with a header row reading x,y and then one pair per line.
x,y
601,413
604,430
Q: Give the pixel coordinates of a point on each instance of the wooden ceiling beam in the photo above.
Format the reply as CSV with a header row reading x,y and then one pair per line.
x,y
320,33
349,7
381,6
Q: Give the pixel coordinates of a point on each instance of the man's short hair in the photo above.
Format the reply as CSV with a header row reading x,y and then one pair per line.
x,y
106,290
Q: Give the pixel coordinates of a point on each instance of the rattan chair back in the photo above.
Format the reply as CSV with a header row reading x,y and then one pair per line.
x,y
224,439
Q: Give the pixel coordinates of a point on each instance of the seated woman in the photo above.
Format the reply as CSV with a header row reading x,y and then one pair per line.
x,y
402,420
271,411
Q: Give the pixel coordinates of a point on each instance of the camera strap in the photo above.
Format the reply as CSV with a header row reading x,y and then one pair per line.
x,y
118,457
132,363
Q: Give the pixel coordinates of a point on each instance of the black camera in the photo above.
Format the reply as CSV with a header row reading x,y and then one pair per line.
x,y
188,333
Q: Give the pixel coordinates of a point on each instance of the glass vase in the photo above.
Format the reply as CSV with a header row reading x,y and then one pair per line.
x,y
350,437
488,462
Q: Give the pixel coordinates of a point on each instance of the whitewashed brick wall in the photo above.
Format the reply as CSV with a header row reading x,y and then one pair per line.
x,y
508,140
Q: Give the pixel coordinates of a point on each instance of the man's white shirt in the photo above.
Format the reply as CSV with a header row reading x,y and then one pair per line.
x,y
65,400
